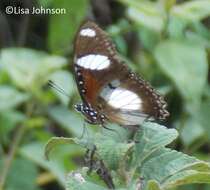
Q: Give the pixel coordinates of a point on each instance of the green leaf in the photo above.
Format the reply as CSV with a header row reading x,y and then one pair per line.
x,y
198,39
191,131
8,121
28,68
181,65
11,97
69,120
76,181
203,116
64,81
23,173
112,152
63,27
153,185
187,177
54,141
146,13
176,28
35,153
85,142
192,10
152,137
173,168
148,37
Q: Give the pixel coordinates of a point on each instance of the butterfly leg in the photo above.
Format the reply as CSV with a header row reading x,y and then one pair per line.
x,y
89,159
104,174
107,128
84,129
99,166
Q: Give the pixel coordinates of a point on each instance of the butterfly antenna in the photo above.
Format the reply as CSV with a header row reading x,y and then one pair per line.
x,y
58,88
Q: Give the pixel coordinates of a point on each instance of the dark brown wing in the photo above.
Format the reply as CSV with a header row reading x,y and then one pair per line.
x,y
100,44
100,73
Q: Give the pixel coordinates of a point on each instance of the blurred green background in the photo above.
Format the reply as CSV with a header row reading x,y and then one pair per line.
x,y
167,42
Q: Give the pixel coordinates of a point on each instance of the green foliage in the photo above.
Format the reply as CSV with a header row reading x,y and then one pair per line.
x,y
166,42
55,141
189,135
11,97
152,138
176,57
63,80
77,181
62,28
192,11
69,120
33,75
146,13
8,121
27,169
118,154
140,159
34,153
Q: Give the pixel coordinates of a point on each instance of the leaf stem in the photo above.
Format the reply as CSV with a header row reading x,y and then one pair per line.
x,y
11,155
14,146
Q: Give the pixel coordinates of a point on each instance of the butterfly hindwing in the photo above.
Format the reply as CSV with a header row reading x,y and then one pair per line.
x,y
130,100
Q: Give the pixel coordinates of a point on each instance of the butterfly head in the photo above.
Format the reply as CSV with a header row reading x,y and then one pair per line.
x,y
91,116
79,107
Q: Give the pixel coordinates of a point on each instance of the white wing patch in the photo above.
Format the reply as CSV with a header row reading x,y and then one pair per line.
x,y
87,32
121,98
93,62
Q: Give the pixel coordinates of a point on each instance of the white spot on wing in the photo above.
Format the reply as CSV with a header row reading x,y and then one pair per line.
x,y
93,62
121,98
87,32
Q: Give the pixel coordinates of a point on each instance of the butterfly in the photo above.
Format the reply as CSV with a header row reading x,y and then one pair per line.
x,y
109,90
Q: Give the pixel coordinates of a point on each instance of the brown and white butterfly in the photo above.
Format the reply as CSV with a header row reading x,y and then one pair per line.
x,y
109,90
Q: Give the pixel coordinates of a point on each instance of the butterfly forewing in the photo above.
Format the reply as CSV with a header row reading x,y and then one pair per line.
x,y
97,42
93,59
107,84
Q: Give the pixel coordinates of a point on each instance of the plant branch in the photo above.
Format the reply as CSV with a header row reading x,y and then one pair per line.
x,y
14,146
11,155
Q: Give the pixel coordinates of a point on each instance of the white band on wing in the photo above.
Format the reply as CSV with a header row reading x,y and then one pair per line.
x,y
93,62
87,32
